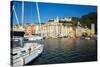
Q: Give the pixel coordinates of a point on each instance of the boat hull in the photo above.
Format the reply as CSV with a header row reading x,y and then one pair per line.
x,y
27,57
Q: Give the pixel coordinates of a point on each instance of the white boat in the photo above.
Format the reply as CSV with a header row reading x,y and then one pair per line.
x,y
33,37
24,52
88,38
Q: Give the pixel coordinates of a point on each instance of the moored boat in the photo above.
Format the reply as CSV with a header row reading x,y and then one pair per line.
x,y
24,51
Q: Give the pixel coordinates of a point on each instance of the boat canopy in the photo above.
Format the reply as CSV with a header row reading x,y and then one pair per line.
x,y
17,33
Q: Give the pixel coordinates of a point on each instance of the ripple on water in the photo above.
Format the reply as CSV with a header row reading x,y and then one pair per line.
x,y
66,50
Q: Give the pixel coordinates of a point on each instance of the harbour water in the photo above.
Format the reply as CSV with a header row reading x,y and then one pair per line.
x,y
66,50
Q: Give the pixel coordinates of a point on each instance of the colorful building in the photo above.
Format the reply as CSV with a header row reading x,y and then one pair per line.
x,y
54,28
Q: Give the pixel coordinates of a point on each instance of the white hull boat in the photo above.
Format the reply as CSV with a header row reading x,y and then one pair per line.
x,y
29,52
23,53
33,38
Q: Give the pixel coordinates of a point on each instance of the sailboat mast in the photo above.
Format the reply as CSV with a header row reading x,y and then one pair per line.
x,y
38,16
22,14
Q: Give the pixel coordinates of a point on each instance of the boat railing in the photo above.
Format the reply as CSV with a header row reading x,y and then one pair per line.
x,y
25,55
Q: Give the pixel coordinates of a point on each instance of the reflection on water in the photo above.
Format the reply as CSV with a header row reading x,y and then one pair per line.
x,y
64,50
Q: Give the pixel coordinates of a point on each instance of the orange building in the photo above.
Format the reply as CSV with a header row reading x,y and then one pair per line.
x,y
29,29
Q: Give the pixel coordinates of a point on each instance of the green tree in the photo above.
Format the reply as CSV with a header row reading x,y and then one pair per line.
x,y
88,19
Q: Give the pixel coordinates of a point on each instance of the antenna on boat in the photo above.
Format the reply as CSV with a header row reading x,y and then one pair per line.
x,y
38,15
22,14
16,16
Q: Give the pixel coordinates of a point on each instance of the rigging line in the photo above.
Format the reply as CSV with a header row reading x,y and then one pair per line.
x,y
38,14
16,16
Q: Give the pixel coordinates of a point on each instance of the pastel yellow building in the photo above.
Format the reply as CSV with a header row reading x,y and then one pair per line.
x,y
54,29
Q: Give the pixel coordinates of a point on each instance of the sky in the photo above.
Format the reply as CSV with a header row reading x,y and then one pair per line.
x,y
48,11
